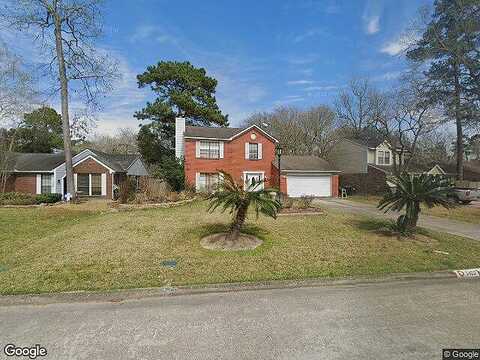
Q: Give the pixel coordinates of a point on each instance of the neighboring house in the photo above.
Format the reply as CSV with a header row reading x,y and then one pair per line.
x,y
247,154
365,164
471,170
95,173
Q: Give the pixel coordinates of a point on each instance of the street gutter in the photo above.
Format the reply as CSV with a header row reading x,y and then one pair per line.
x,y
120,295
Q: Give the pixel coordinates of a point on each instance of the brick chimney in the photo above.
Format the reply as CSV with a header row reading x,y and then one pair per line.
x,y
179,137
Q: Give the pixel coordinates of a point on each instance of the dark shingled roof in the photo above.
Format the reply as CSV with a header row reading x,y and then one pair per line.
x,y
34,162
212,132
117,162
47,162
305,163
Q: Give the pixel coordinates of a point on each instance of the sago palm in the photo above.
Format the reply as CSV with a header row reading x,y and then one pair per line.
x,y
413,190
232,196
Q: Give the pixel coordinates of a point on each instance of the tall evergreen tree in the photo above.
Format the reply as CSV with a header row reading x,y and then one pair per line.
x,y
449,48
182,90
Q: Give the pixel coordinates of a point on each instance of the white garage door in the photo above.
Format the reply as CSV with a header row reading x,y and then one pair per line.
x,y
315,185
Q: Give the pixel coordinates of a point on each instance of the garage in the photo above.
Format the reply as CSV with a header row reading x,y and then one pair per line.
x,y
313,185
308,175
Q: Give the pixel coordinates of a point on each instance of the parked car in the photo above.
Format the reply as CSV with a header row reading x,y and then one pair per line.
x,y
465,195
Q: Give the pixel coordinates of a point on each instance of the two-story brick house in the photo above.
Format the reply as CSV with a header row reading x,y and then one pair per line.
x,y
248,153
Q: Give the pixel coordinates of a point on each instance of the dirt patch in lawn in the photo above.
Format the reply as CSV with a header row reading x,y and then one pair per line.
x,y
220,242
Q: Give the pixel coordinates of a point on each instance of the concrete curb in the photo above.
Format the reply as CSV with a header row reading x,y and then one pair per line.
x,y
120,295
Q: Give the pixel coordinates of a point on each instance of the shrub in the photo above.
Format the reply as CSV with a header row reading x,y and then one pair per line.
x,y
305,201
48,198
287,202
126,191
15,198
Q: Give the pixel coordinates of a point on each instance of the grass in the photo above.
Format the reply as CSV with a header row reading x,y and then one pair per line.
x,y
466,213
70,248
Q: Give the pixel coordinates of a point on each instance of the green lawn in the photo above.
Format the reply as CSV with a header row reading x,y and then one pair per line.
x,y
69,248
466,213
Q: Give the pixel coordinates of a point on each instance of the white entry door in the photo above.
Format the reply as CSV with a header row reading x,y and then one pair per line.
x,y
250,176
313,185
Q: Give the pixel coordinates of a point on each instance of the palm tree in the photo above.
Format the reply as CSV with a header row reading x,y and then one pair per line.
x,y
413,190
233,196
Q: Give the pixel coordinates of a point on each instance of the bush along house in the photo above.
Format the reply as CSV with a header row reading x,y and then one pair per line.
x,y
96,174
247,154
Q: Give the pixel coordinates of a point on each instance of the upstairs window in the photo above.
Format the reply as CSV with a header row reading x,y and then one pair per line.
x,y
383,157
47,183
210,149
253,151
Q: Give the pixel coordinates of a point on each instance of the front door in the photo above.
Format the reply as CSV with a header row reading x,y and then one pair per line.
x,y
254,176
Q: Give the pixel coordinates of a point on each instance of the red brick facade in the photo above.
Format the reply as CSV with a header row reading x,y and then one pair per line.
x,y
91,166
234,161
26,183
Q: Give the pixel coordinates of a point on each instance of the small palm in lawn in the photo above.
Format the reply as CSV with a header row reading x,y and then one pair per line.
x,y
232,196
412,191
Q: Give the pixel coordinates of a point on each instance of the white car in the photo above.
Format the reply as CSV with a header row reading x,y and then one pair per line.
x,y
465,195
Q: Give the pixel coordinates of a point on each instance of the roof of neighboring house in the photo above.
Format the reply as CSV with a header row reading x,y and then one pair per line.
x,y
118,162
304,163
222,133
34,161
30,162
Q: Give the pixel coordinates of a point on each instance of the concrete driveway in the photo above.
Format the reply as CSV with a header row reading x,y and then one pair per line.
x,y
393,320
468,230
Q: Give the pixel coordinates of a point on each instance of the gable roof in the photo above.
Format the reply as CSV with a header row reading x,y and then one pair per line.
x,y
220,133
40,162
26,162
306,163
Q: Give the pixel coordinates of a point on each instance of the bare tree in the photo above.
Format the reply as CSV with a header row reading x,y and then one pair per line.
x,y
66,31
123,142
354,106
16,97
301,132
402,117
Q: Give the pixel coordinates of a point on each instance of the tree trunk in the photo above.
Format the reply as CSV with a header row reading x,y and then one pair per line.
x,y
458,121
414,214
67,142
237,224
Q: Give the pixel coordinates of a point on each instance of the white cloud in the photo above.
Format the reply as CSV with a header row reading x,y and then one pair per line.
x,y
323,88
390,75
300,82
308,34
372,25
152,32
289,99
399,45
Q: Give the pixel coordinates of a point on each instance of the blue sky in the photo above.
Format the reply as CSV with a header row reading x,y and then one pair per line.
x,y
263,53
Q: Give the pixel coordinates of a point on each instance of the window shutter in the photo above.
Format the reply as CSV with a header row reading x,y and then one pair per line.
x,y
39,184
221,149
197,181
104,184
247,153
197,149
259,151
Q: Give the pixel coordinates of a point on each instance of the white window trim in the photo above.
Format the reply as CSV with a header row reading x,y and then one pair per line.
x,y
96,160
199,146
253,172
378,157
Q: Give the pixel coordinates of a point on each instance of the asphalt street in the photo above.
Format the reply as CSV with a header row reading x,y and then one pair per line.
x,y
392,320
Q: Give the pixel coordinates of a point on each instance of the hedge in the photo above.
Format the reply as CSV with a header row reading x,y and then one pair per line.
x,y
15,198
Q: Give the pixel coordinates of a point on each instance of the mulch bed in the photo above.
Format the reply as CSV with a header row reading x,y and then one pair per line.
x,y
219,242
